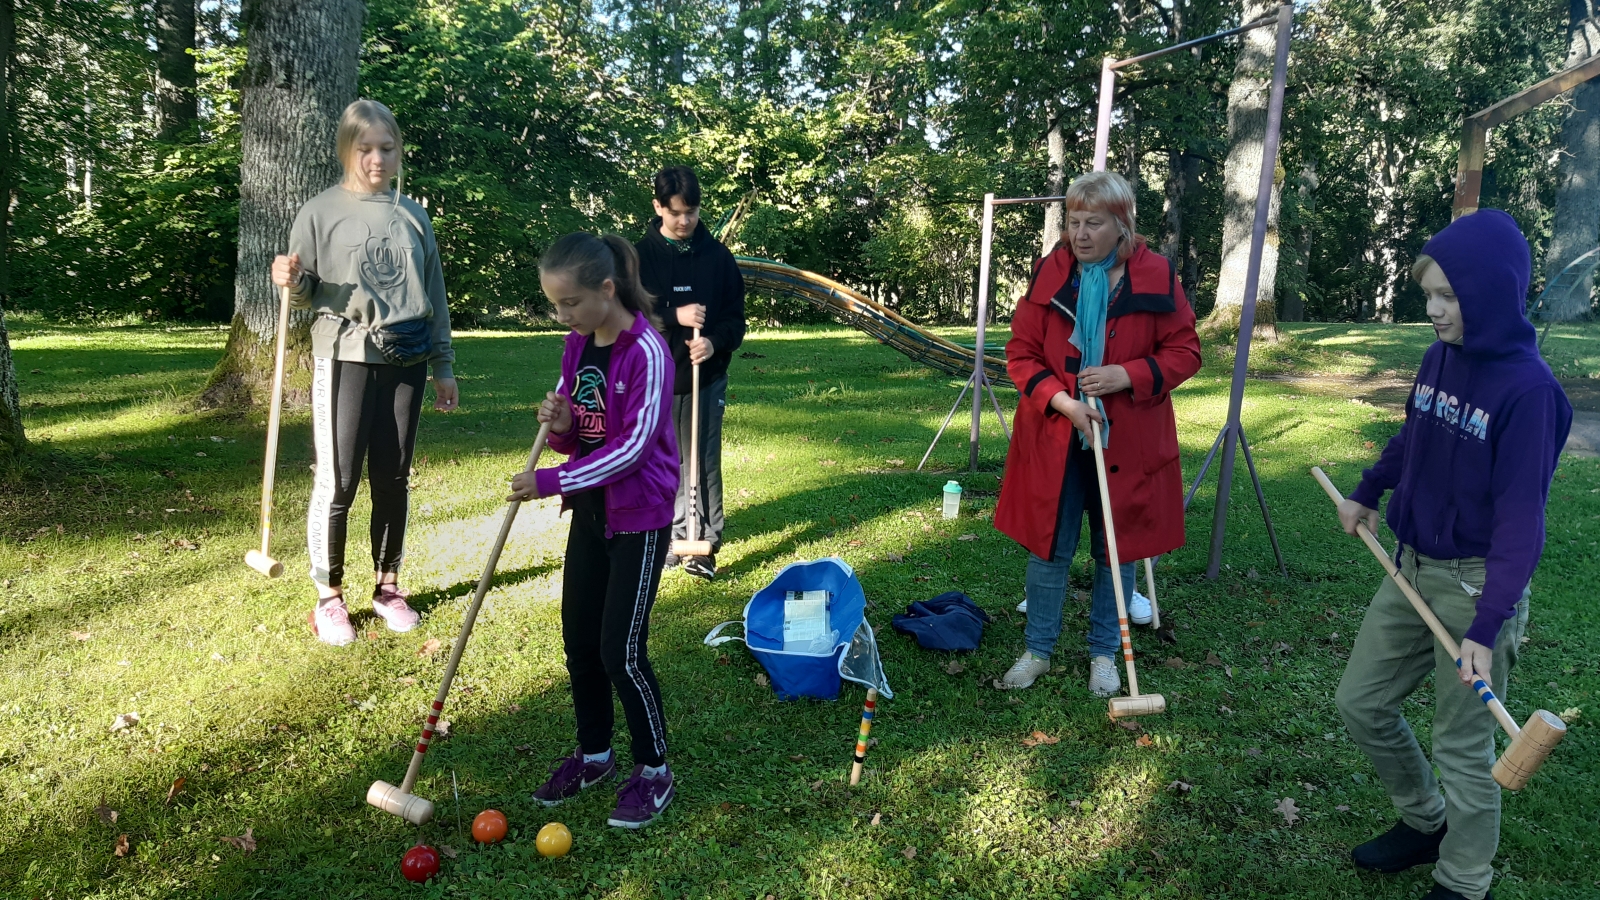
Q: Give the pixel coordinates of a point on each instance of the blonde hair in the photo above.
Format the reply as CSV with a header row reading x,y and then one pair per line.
x,y
1420,267
1109,193
357,118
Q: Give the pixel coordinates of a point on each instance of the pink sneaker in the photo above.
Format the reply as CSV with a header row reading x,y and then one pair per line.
x,y
330,622
389,602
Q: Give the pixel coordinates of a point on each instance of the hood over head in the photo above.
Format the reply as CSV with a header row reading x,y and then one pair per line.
x,y
1488,263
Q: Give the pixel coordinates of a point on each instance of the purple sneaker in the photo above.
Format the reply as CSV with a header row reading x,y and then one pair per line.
x,y
330,622
389,602
641,799
571,775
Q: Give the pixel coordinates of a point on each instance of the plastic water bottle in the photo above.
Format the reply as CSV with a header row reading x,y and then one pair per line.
x,y
952,499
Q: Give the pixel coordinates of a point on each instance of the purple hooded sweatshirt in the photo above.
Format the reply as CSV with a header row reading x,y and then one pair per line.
x,y
1471,466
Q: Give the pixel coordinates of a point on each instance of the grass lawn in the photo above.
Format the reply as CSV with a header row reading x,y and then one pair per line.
x,y
122,590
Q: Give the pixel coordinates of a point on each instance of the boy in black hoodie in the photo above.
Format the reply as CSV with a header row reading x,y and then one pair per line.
x,y
697,284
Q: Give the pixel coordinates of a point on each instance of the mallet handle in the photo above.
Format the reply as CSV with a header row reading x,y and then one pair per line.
x,y
1422,608
694,448
1150,585
1115,559
867,712
270,463
484,581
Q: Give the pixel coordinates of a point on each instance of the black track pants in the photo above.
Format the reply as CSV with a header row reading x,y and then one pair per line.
x,y
361,412
608,588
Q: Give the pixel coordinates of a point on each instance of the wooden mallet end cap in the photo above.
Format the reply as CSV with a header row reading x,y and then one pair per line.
x,y
691,548
1142,705
391,799
264,564
1529,749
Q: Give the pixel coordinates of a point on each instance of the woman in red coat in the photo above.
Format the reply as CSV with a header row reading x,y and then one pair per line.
x,y
1137,342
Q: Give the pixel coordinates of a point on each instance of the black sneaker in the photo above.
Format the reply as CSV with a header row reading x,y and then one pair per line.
x,y
1398,849
1440,892
701,566
673,561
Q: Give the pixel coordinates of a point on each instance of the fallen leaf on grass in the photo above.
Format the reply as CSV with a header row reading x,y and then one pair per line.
x,y
1253,751
1368,444
80,635
1571,714
121,848
852,543
126,720
877,818
1281,647
441,730
1166,632
967,537
1180,787
173,791
762,679
429,647
1145,741
1129,725
35,371
895,462
827,462
1176,662
909,852
245,842
448,852
816,785
1212,659
106,814
103,456
1342,808
1286,808
1039,737
954,668
796,757
894,557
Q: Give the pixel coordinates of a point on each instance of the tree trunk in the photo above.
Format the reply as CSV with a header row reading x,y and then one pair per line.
x,y
12,440
1576,228
299,76
1055,180
175,81
1172,212
1247,131
1294,305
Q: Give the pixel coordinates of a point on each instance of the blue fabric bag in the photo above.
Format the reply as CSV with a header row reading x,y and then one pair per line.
x,y
814,671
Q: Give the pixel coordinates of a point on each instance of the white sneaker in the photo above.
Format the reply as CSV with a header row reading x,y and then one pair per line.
x,y
330,622
1024,672
1139,612
1103,678
1023,606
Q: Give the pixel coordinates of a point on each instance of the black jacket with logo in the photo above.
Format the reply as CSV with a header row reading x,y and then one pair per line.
x,y
705,273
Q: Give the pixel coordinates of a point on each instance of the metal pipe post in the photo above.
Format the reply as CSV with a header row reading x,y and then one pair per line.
x,y
978,373
1252,282
1102,127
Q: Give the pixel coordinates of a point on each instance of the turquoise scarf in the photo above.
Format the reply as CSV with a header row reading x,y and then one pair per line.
x,y
1089,333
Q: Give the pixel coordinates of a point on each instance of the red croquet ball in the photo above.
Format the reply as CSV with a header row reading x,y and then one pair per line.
x,y
420,863
489,826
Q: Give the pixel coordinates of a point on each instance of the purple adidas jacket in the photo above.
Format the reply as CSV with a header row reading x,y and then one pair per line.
x,y
638,464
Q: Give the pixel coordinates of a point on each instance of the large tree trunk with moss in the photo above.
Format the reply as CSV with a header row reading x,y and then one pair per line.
x,y
1577,220
299,76
175,81
1241,176
1055,180
12,439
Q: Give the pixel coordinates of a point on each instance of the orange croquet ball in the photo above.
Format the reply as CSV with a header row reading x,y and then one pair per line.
x,y
553,840
489,826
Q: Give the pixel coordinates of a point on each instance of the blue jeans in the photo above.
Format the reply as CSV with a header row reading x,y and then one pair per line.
x,y
1047,579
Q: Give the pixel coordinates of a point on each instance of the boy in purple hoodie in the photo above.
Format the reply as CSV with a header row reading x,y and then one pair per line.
x,y
1470,470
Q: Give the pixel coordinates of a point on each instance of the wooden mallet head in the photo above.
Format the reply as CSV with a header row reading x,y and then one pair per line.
x,y
263,563
1140,705
1529,749
391,799
687,549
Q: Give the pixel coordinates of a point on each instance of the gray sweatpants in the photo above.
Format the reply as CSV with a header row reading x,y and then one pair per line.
x,y
713,402
1392,656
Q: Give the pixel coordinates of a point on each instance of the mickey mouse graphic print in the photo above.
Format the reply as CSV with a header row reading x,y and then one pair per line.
x,y
589,396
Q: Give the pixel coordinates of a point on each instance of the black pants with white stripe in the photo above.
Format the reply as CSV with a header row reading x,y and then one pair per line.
x,y
361,413
608,588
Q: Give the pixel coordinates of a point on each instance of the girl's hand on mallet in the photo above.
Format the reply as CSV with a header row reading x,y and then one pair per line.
x,y
692,315
557,411
445,394
523,487
1076,410
1476,659
286,271
1100,381
1352,514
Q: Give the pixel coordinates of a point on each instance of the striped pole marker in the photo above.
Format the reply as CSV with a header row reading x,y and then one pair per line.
x,y
861,740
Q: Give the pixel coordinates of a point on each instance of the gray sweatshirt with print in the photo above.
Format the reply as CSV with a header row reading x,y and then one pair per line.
x,y
368,262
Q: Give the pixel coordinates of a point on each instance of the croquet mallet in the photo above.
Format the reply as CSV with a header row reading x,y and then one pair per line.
x,y
693,546
400,800
1150,592
1530,744
1135,704
258,559
867,712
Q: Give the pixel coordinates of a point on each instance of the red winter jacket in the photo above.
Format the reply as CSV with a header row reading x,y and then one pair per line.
x,y
1150,333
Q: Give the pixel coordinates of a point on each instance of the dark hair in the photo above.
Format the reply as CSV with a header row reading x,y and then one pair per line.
x,y
677,181
592,260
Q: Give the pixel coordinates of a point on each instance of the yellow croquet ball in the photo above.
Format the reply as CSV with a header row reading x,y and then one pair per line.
x,y
554,840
